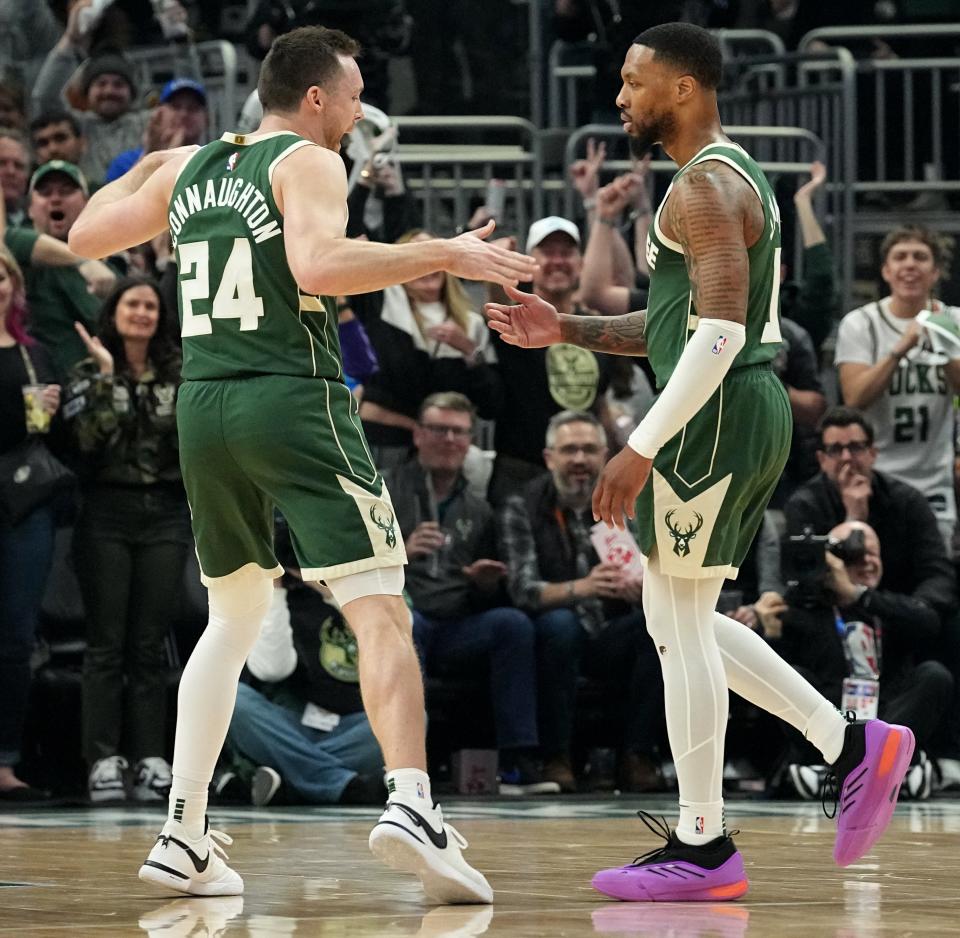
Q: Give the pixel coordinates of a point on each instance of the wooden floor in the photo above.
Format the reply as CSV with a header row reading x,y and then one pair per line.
x,y
308,873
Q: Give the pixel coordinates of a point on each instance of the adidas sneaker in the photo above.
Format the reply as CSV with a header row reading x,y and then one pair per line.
x,y
106,782
196,867
152,779
405,840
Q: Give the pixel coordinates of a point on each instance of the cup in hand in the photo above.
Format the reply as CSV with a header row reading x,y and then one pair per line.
x,y
38,417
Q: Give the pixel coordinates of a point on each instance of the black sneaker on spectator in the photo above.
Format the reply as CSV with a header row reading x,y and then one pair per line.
x,y
806,780
264,786
152,779
918,782
229,788
106,782
364,789
525,778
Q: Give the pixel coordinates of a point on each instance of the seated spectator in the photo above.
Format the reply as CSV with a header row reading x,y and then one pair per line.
x,y
131,539
901,377
427,338
461,621
180,119
26,547
850,488
840,623
60,296
57,135
304,724
542,382
104,87
14,174
585,612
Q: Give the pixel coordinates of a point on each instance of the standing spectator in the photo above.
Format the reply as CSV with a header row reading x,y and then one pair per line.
x,y
26,548
546,380
584,611
110,121
902,381
27,29
132,536
180,119
427,339
57,135
59,296
455,581
14,174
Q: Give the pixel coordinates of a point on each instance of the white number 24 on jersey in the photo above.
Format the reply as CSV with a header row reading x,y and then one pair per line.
x,y
235,297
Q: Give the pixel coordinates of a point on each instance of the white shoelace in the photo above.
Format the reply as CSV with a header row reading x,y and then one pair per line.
x,y
217,838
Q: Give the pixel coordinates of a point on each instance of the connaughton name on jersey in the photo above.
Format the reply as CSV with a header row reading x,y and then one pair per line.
x,y
234,192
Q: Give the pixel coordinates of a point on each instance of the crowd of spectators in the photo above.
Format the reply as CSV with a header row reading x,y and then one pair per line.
x,y
490,454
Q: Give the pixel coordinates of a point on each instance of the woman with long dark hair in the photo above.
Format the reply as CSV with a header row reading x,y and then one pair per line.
x,y
26,547
131,538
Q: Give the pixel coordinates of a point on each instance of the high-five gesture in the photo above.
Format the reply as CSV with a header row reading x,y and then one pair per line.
x,y
477,259
532,323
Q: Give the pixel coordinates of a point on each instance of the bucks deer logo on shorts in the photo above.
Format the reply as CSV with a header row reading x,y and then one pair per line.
x,y
385,524
682,538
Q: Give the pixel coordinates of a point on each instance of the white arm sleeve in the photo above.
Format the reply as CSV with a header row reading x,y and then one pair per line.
x,y
703,365
273,656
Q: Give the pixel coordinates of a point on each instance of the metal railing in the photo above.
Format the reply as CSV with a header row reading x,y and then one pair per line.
x,y
806,147
444,174
867,31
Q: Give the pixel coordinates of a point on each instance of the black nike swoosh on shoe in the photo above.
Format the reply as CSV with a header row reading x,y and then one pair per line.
x,y
199,865
437,838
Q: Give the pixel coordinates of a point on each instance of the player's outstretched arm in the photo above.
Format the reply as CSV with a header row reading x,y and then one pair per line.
x,y
710,214
310,187
533,323
130,210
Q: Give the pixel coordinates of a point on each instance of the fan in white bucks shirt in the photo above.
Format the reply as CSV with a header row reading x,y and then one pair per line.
x,y
902,378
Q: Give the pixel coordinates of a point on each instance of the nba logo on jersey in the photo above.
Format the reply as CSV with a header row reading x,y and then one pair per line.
x,y
719,344
701,823
232,161
420,790
652,252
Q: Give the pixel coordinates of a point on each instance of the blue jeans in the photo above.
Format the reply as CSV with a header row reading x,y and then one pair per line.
x,y
26,552
622,656
317,765
504,637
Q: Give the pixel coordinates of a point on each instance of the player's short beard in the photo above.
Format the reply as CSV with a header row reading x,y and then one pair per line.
x,y
660,128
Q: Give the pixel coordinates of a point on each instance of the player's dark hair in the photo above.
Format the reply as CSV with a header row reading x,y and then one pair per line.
x,y
162,350
689,48
300,59
843,417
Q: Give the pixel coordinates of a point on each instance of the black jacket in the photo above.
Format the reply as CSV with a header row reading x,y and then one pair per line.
x,y
915,562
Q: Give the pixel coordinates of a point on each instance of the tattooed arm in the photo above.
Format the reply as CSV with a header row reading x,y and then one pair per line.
x,y
616,335
715,215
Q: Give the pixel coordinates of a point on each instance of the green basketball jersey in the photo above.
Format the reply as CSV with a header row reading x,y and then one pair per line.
x,y
671,315
241,311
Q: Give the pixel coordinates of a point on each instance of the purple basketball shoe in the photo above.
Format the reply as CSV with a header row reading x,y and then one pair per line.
x,y
677,872
874,760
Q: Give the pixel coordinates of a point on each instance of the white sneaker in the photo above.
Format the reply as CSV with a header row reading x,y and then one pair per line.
x,y
190,918
918,782
152,779
106,780
195,867
405,840
949,774
807,780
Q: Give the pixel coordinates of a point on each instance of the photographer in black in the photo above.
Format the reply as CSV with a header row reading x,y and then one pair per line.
x,y
861,646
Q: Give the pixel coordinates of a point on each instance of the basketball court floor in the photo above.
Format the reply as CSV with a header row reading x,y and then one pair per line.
x,y
308,873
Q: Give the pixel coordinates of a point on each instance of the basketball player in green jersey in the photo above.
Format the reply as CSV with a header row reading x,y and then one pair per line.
x,y
698,471
265,419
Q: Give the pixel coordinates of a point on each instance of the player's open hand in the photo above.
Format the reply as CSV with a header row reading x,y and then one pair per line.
x,y
618,487
531,323
476,259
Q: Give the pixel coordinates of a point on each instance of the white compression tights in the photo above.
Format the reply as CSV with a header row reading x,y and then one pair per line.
x,y
701,654
208,687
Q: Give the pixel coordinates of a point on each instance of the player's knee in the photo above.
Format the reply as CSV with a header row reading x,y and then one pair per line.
x,y
243,597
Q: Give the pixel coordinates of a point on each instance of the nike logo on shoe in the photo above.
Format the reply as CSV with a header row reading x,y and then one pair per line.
x,y
199,865
437,838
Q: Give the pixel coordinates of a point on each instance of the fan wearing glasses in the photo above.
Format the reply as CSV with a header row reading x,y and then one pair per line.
x,y
850,488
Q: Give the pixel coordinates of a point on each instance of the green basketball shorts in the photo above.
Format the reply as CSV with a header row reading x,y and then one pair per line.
x,y
251,444
711,483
